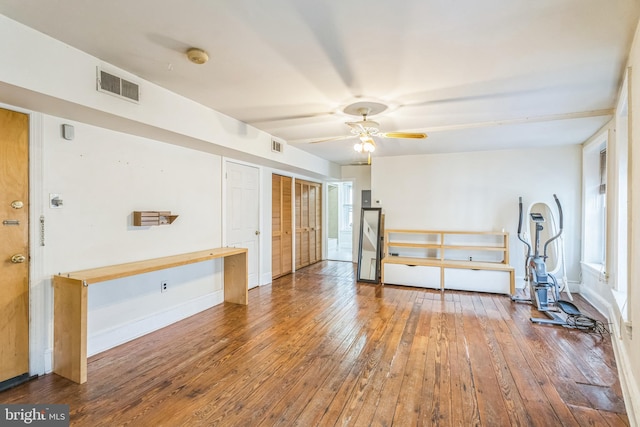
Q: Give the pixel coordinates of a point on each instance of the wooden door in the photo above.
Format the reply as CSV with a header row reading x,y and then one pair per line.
x,y
243,214
308,202
282,237
298,221
304,224
313,190
14,244
317,229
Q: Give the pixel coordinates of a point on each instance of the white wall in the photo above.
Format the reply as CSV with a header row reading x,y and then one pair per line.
x,y
103,176
479,191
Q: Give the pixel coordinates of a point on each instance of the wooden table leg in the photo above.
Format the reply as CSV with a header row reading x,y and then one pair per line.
x,y
512,282
236,279
70,329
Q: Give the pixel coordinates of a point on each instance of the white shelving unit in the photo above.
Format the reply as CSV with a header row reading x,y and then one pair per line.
x,y
462,260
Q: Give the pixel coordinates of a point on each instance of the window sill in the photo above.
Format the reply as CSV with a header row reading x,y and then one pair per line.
x,y
621,301
595,268
619,297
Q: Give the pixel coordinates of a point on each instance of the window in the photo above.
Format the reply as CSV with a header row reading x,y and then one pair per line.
x,y
602,207
603,172
595,202
619,198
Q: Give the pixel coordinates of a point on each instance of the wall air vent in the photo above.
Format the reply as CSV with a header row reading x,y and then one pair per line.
x,y
114,85
276,146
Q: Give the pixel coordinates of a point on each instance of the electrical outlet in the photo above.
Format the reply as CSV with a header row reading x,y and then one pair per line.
x,y
163,286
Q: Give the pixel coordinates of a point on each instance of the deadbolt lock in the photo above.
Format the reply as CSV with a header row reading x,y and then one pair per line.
x,y
17,204
18,259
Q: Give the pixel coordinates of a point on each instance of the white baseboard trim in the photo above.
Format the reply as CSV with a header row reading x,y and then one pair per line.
x,y
630,389
598,302
266,278
112,337
48,361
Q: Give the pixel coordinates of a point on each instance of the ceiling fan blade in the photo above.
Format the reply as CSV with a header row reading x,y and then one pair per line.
x,y
335,138
265,120
413,135
356,127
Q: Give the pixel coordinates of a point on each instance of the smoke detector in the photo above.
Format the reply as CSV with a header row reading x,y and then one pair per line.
x,y
197,56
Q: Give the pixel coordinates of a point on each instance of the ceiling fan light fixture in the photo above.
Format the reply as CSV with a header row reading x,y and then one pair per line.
x,y
369,147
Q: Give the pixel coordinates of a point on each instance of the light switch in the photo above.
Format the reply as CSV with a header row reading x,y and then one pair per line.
x,y
55,201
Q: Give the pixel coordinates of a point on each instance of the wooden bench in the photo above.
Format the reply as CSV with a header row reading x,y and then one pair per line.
x,y
436,248
71,293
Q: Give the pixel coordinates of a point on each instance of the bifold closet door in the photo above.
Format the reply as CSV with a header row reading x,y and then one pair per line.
x,y
282,237
308,215
315,224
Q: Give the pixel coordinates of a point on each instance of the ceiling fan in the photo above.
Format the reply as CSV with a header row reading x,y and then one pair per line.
x,y
366,129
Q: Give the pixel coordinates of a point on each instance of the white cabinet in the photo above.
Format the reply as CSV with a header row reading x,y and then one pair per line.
x,y
477,280
412,275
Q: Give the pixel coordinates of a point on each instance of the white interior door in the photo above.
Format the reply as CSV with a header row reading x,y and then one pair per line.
x,y
243,213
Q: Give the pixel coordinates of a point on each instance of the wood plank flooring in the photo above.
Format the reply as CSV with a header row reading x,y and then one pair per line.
x,y
316,348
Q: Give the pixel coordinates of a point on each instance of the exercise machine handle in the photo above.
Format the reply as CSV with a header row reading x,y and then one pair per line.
x,y
520,217
520,229
559,210
559,229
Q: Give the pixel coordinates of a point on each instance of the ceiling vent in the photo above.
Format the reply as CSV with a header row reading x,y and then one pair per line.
x,y
114,85
276,146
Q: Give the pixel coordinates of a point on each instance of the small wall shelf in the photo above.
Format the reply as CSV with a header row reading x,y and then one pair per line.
x,y
148,218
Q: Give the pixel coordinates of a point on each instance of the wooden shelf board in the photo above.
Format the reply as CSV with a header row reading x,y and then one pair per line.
x,y
474,248
412,231
414,245
112,272
412,261
432,262
488,233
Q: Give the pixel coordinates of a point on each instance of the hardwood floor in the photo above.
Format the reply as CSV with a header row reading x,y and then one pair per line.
x,y
316,348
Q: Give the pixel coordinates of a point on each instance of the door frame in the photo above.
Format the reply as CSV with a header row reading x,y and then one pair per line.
x,y
40,290
325,220
261,225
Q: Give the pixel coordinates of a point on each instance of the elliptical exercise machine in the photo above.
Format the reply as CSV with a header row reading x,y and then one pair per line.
x,y
544,291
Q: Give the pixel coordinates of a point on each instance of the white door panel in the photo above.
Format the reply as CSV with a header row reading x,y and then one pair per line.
x,y
243,213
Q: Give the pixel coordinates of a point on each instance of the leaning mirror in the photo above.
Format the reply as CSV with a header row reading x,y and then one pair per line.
x,y
369,252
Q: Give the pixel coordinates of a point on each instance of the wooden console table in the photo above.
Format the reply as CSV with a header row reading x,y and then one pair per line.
x,y
71,290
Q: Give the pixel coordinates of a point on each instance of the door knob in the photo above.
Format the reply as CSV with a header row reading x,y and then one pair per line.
x,y
257,232
17,204
18,259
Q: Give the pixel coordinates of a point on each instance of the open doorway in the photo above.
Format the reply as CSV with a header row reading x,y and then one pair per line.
x,y
340,221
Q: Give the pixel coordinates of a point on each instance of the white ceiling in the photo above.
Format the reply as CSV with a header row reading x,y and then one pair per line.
x,y
474,75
